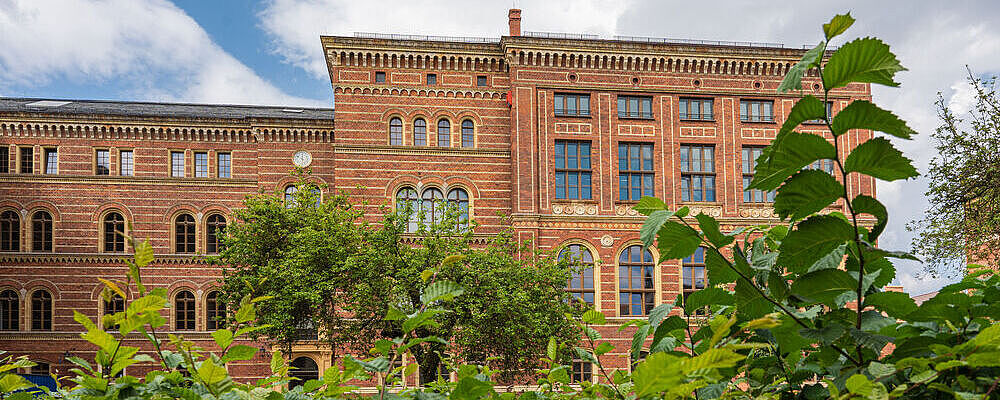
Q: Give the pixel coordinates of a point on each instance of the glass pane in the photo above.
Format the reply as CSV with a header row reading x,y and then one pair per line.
x,y
647,158
571,106
623,277
633,157
696,159
647,184
585,105
558,106
636,187
622,157
633,107
696,188
621,106
623,187
707,110
684,158
571,155
683,108
709,188
685,185
585,186
709,159
585,155
572,185
560,153
560,185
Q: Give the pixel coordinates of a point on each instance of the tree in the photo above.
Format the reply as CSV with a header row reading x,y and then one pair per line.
x,y
963,219
335,274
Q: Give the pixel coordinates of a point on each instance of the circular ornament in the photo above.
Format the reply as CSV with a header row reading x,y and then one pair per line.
x,y
302,159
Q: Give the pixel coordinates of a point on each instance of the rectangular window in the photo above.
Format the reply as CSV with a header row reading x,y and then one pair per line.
x,y
572,105
126,163
822,165
27,160
4,160
379,77
177,164
201,165
750,155
582,371
432,79
697,173
102,162
635,107
51,161
756,111
225,165
635,171
829,113
481,80
573,170
696,109
693,276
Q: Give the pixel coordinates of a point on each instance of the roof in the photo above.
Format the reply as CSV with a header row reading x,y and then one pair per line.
x,y
149,109
921,298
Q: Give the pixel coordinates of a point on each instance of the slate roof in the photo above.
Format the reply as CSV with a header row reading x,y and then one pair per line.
x,y
148,109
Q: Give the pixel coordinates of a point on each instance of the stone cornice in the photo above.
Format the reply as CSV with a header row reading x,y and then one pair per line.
x,y
350,43
125,180
420,151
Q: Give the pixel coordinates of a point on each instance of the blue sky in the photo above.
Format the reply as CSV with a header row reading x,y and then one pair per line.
x,y
268,52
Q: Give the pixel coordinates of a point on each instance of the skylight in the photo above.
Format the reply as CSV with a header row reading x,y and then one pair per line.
x,y
48,103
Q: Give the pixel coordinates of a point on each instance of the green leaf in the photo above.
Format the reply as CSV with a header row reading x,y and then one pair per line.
x,y
707,297
812,240
143,253
811,59
211,373
826,335
441,290
470,388
806,109
593,317
787,154
808,192
223,337
894,304
710,227
585,355
863,114
837,25
749,303
865,60
878,158
552,349
652,224
860,385
718,268
277,363
246,313
657,373
826,286
648,205
639,338
603,348
676,241
659,313
864,204
424,318
240,352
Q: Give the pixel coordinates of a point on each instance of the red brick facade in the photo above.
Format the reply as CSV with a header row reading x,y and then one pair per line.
x,y
505,87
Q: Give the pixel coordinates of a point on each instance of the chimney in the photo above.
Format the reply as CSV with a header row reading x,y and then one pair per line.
x,y
514,19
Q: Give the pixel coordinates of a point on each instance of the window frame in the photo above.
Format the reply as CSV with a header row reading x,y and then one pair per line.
x,y
747,117
201,164
447,128
10,231
684,104
116,238
4,159
395,131
577,283
693,269
215,311
100,156
126,168
188,314
561,147
46,233
820,121
174,166
413,218
228,156
41,312
640,113
26,161
748,169
10,310
689,175
436,212
186,230
421,130
213,230
564,98
468,133
455,199
482,81
431,79
645,175
381,77
647,294
47,153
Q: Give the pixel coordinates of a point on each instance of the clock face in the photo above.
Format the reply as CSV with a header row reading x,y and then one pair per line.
x,y
302,159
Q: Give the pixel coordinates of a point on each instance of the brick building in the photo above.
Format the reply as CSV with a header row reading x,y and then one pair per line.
x,y
562,133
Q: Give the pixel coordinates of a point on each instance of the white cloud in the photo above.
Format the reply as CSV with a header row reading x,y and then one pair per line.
x,y
150,47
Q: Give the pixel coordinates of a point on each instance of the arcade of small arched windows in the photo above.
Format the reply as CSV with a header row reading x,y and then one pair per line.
x,y
416,133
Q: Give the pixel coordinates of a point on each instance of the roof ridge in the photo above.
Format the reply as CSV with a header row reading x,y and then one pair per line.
x,y
105,101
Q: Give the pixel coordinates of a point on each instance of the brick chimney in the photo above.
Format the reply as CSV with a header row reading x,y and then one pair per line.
x,y
514,19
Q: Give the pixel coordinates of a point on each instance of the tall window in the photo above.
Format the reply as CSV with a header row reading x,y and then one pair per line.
x,y
10,231
432,207
419,132
304,370
750,155
635,107
468,133
290,195
102,162
4,159
396,132
573,169
696,109
10,306
224,167
756,111
693,273
201,165
126,163
177,164
51,161
41,231
444,133
184,233
27,160
829,113
697,173
581,284
184,312
822,165
635,171
213,233
458,199
41,311
408,204
215,311
572,105
115,305
114,233
635,281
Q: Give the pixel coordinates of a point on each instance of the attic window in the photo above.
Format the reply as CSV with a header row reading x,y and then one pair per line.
x,y
293,110
48,103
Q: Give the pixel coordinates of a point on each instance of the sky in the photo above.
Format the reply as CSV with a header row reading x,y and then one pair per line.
x,y
268,52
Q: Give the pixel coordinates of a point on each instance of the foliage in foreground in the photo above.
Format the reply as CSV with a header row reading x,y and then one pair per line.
x,y
779,325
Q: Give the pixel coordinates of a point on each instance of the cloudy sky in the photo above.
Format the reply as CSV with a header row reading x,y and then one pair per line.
x,y
229,51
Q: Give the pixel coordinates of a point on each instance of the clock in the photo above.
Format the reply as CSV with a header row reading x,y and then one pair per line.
x,y
302,159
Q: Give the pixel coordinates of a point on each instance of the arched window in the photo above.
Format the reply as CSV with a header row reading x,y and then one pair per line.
x,y
408,204
396,132
303,369
114,306
419,132
635,281
184,234
292,189
468,134
444,133
459,199
41,231
10,231
432,207
213,233
184,313
10,305
114,233
41,311
215,311
581,284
